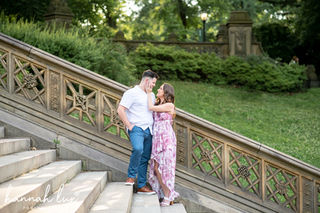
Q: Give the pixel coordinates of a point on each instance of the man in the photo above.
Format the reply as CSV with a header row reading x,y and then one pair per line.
x,y
134,113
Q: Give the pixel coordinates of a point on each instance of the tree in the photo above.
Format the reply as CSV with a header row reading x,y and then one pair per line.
x,y
308,31
94,14
158,19
27,9
277,40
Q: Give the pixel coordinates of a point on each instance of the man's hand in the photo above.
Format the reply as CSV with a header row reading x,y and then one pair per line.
x,y
131,127
123,116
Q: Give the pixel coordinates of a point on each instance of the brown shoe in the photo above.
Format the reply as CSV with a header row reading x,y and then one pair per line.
x,y
129,181
146,191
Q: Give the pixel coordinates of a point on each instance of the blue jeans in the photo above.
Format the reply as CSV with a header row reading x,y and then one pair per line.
x,y
141,141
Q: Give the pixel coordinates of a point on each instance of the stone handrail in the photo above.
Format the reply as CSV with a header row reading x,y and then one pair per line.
x,y
71,99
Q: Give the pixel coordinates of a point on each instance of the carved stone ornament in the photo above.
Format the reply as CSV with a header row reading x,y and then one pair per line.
x,y
281,188
206,155
30,81
243,171
116,119
81,100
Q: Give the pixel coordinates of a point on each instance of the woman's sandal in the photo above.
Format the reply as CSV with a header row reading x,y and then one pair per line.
x,y
165,202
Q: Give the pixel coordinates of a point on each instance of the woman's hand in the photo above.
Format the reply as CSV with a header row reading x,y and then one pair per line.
x,y
149,88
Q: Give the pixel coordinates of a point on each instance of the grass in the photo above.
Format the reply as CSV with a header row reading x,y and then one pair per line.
x,y
289,123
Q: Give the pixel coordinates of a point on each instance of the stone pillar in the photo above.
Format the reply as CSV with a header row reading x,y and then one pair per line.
x,y
239,28
59,12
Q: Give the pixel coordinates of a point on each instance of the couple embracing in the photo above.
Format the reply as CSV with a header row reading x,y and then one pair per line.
x,y
149,123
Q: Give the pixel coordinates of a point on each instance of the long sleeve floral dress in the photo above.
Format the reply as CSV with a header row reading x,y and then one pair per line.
x,y
163,152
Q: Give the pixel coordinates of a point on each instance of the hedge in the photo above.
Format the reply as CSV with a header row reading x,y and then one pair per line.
x,y
254,72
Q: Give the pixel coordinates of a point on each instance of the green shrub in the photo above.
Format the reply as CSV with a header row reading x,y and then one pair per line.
x,y
254,72
159,59
102,57
168,61
261,73
211,69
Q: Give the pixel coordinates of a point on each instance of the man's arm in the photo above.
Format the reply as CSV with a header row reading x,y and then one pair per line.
x,y
123,116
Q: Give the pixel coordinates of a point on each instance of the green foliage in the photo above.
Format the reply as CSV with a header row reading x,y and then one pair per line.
x,y
263,74
258,73
96,13
277,40
308,30
26,9
288,122
56,141
169,62
157,19
99,16
103,57
211,66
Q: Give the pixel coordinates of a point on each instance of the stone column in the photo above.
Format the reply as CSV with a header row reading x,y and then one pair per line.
x,y
59,12
239,28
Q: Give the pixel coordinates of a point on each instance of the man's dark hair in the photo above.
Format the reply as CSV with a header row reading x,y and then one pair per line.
x,y
149,73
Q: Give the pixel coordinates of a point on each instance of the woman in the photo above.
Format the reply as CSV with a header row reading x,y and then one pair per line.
x,y
163,155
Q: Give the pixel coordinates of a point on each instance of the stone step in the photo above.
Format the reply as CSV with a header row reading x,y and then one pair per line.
x,y
12,145
76,196
175,208
145,204
115,198
23,193
1,132
16,164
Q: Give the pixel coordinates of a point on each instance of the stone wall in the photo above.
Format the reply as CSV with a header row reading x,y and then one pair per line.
x,y
234,38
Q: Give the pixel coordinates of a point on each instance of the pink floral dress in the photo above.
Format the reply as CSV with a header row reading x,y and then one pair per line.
x,y
164,152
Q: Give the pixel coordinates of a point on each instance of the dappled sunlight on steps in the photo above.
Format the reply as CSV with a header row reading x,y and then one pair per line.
x,y
33,181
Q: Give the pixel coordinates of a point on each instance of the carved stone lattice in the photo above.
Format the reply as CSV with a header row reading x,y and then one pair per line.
x,y
245,171
207,155
3,69
318,195
281,187
81,102
29,80
54,92
181,134
112,122
308,195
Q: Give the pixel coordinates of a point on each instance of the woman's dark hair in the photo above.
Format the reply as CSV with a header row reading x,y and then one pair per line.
x,y
168,91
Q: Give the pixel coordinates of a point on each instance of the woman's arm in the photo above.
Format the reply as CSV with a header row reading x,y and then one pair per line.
x,y
167,107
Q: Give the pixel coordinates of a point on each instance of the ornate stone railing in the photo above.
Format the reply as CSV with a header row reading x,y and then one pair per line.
x,y
210,159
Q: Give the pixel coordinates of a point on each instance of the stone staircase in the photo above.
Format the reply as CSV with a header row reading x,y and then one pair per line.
x,y
36,181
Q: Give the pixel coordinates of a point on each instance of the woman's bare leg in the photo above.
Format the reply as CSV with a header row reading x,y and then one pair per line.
x,y
165,189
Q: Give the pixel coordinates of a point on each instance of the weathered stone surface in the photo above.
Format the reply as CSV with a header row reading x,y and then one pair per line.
x,y
32,186
116,197
79,194
145,204
12,145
